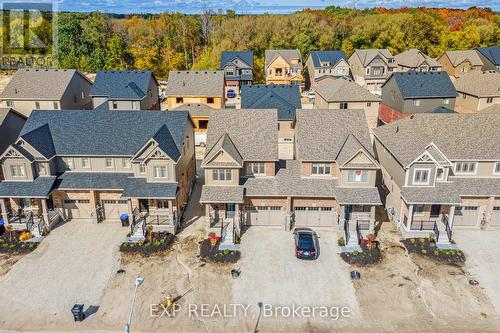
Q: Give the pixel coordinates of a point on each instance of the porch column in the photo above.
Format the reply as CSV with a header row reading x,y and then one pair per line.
x,y
288,214
3,208
207,213
45,212
342,221
451,216
489,209
93,202
410,217
372,220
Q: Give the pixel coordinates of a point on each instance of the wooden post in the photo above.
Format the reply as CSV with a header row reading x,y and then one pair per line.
x,y
410,217
45,212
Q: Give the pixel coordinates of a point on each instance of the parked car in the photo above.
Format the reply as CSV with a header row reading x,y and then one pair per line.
x,y
306,243
231,93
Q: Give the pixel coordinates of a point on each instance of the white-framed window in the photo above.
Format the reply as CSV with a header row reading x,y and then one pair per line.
x,y
83,95
86,163
421,176
368,104
357,176
229,71
109,163
496,168
115,105
68,163
416,102
256,169
343,105
160,171
418,210
340,71
37,105
10,104
42,168
221,174
489,100
162,204
465,167
446,101
17,171
126,163
440,174
142,168
321,169
56,105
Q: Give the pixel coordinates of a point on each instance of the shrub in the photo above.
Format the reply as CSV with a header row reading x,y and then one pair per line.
x,y
355,253
424,251
226,251
412,240
422,240
341,241
436,252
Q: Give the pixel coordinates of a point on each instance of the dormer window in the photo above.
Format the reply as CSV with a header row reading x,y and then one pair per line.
x,y
421,177
357,176
440,174
465,168
256,169
17,171
320,169
68,163
221,174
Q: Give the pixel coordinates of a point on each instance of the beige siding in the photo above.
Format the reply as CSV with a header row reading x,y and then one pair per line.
x,y
389,163
219,101
372,177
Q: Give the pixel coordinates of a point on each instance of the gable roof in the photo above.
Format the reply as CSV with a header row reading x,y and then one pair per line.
x,y
254,132
332,57
113,133
195,109
479,83
414,58
366,56
492,53
284,98
195,83
228,146
460,136
414,84
31,84
228,56
457,57
491,108
129,85
321,134
349,149
287,55
5,112
344,90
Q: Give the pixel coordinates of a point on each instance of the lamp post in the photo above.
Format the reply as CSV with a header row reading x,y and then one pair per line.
x,y
138,282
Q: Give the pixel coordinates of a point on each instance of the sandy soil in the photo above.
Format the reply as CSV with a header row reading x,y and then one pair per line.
x,y
6,263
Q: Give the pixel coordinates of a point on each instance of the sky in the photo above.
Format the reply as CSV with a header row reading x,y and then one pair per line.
x,y
253,6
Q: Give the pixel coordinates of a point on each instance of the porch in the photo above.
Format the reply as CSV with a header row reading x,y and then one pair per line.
x,y
161,214
357,221
422,220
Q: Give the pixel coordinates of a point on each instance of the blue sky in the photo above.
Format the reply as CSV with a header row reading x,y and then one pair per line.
x,y
254,6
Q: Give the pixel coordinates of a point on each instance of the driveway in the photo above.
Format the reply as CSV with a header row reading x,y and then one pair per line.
x,y
482,249
271,274
72,265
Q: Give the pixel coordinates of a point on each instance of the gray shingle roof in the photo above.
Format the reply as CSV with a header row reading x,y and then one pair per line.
x,y
479,83
221,194
129,85
414,58
344,90
39,188
253,132
492,53
32,84
195,109
367,55
414,84
285,98
350,147
459,136
332,57
492,108
288,55
457,57
228,56
320,134
195,83
111,133
228,146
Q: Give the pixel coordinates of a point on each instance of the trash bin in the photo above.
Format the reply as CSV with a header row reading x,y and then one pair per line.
x,y
77,311
2,227
124,219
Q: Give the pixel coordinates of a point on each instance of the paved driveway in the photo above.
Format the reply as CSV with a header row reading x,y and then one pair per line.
x,y
271,274
72,265
482,249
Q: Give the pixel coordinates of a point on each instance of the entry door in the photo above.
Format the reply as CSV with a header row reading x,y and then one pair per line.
x,y
144,205
435,209
348,212
229,211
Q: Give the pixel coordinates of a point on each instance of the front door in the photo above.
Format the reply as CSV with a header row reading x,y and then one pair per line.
x,y
229,211
347,212
435,210
144,205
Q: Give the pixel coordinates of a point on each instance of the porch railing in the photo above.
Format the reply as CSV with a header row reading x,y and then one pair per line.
x,y
422,225
363,224
346,231
436,231
447,227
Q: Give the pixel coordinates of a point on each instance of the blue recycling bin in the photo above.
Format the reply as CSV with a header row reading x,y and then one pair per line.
x,y
124,219
2,227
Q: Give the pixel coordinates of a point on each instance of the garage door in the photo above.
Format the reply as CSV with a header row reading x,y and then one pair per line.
x,y
78,209
314,217
466,216
114,208
495,217
264,215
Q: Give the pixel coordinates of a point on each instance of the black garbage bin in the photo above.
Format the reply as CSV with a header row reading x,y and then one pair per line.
x,y
124,219
77,311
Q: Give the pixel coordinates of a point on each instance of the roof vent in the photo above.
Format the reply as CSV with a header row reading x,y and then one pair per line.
x,y
183,83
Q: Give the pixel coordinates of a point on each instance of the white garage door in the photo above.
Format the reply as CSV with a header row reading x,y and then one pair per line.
x,y
314,217
466,216
495,217
264,215
114,208
78,209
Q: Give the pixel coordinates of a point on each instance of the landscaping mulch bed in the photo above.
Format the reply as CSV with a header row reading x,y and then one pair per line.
x,y
427,248
369,256
15,246
160,242
213,254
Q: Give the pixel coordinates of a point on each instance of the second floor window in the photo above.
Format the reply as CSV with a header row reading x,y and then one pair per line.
x,y
416,102
255,169
37,105
109,163
496,170
179,100
126,163
378,71
465,167
210,100
489,100
202,124
221,174
229,71
421,176
142,168
68,163
86,163
115,105
446,101
10,104
357,176
17,171
343,105
321,169
56,105
160,171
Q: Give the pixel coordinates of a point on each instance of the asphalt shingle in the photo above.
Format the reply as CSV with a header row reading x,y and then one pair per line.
x,y
284,98
492,53
479,83
229,56
130,85
414,84
39,188
344,90
195,83
331,57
